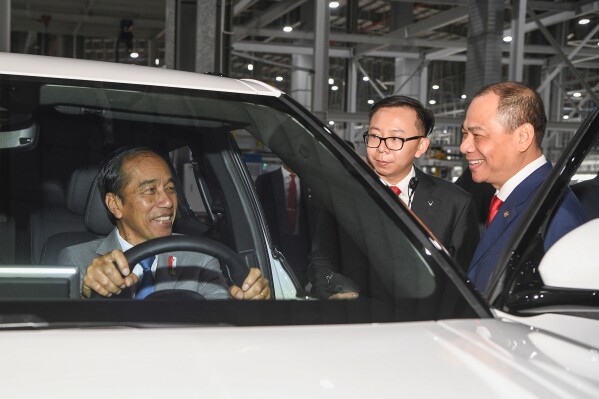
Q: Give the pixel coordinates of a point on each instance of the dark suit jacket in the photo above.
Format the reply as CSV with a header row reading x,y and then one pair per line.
x,y
450,213
295,247
568,216
194,271
588,195
446,209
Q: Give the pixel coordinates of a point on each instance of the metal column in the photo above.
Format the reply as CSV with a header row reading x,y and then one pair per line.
x,y
485,35
5,26
205,36
407,71
320,91
517,43
170,38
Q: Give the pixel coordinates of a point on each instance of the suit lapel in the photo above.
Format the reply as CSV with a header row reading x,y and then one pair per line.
x,y
510,210
426,203
109,243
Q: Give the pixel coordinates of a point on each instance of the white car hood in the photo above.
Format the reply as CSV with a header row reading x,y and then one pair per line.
x,y
458,358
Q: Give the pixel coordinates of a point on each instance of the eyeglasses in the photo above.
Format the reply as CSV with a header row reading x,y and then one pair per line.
x,y
392,143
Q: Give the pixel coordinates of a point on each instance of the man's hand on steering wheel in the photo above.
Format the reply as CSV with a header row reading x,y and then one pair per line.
x,y
102,276
254,287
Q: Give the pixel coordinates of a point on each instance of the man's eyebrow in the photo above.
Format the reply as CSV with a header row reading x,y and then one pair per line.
x,y
471,128
146,182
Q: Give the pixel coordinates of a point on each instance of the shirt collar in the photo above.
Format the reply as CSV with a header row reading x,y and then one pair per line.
x,y
403,185
519,177
124,244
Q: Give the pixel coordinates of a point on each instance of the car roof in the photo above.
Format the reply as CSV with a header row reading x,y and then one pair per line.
x,y
101,71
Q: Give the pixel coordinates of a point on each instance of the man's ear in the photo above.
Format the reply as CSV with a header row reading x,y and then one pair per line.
x,y
114,204
526,136
422,147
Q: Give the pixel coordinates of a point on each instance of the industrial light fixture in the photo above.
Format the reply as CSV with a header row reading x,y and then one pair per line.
x,y
576,94
157,61
334,4
507,39
331,123
279,78
365,78
583,21
435,87
370,102
331,81
463,96
134,54
250,67
334,88
287,29
432,102
565,117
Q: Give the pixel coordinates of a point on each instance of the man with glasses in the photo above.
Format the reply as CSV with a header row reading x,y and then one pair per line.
x,y
397,135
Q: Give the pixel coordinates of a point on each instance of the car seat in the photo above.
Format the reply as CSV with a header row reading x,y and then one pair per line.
x,y
61,212
95,221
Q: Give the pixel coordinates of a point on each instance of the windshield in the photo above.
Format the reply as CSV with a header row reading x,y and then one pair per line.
x,y
228,153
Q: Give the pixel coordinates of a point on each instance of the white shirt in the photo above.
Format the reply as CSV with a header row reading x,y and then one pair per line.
x,y
519,177
138,270
403,185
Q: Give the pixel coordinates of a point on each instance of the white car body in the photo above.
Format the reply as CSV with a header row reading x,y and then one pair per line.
x,y
450,359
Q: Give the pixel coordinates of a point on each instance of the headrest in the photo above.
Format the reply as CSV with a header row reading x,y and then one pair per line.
x,y
53,192
96,218
78,189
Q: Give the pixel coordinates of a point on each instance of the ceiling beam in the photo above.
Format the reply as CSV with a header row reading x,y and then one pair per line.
x,y
59,17
457,44
90,31
272,14
438,20
242,5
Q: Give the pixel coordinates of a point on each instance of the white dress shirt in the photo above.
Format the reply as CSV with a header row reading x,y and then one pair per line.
x,y
519,177
404,185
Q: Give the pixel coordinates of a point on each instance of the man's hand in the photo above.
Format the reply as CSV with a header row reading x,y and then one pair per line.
x,y
255,287
344,295
102,277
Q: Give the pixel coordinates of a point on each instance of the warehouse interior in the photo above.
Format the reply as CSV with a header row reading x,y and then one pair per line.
x,y
337,57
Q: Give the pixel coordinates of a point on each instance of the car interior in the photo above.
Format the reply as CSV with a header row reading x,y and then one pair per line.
x,y
55,134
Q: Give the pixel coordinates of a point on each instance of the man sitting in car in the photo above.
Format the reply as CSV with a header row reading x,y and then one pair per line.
x,y
141,200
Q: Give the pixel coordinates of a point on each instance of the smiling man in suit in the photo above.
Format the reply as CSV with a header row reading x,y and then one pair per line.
x,y
502,134
397,135
141,200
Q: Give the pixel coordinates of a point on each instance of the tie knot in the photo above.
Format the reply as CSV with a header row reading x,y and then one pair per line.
x,y
146,263
395,189
292,175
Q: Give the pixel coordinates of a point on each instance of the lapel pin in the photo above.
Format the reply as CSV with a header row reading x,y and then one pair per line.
x,y
172,263
430,203
506,214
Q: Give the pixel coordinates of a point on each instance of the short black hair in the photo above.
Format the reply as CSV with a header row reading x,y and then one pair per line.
x,y
425,119
112,178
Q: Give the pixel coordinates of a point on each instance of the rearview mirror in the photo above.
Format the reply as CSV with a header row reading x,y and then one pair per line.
x,y
22,138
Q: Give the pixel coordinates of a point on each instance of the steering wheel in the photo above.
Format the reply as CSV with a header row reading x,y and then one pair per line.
x,y
181,243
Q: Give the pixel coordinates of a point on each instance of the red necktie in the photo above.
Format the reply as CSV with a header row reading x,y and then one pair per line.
x,y
493,208
292,204
396,190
